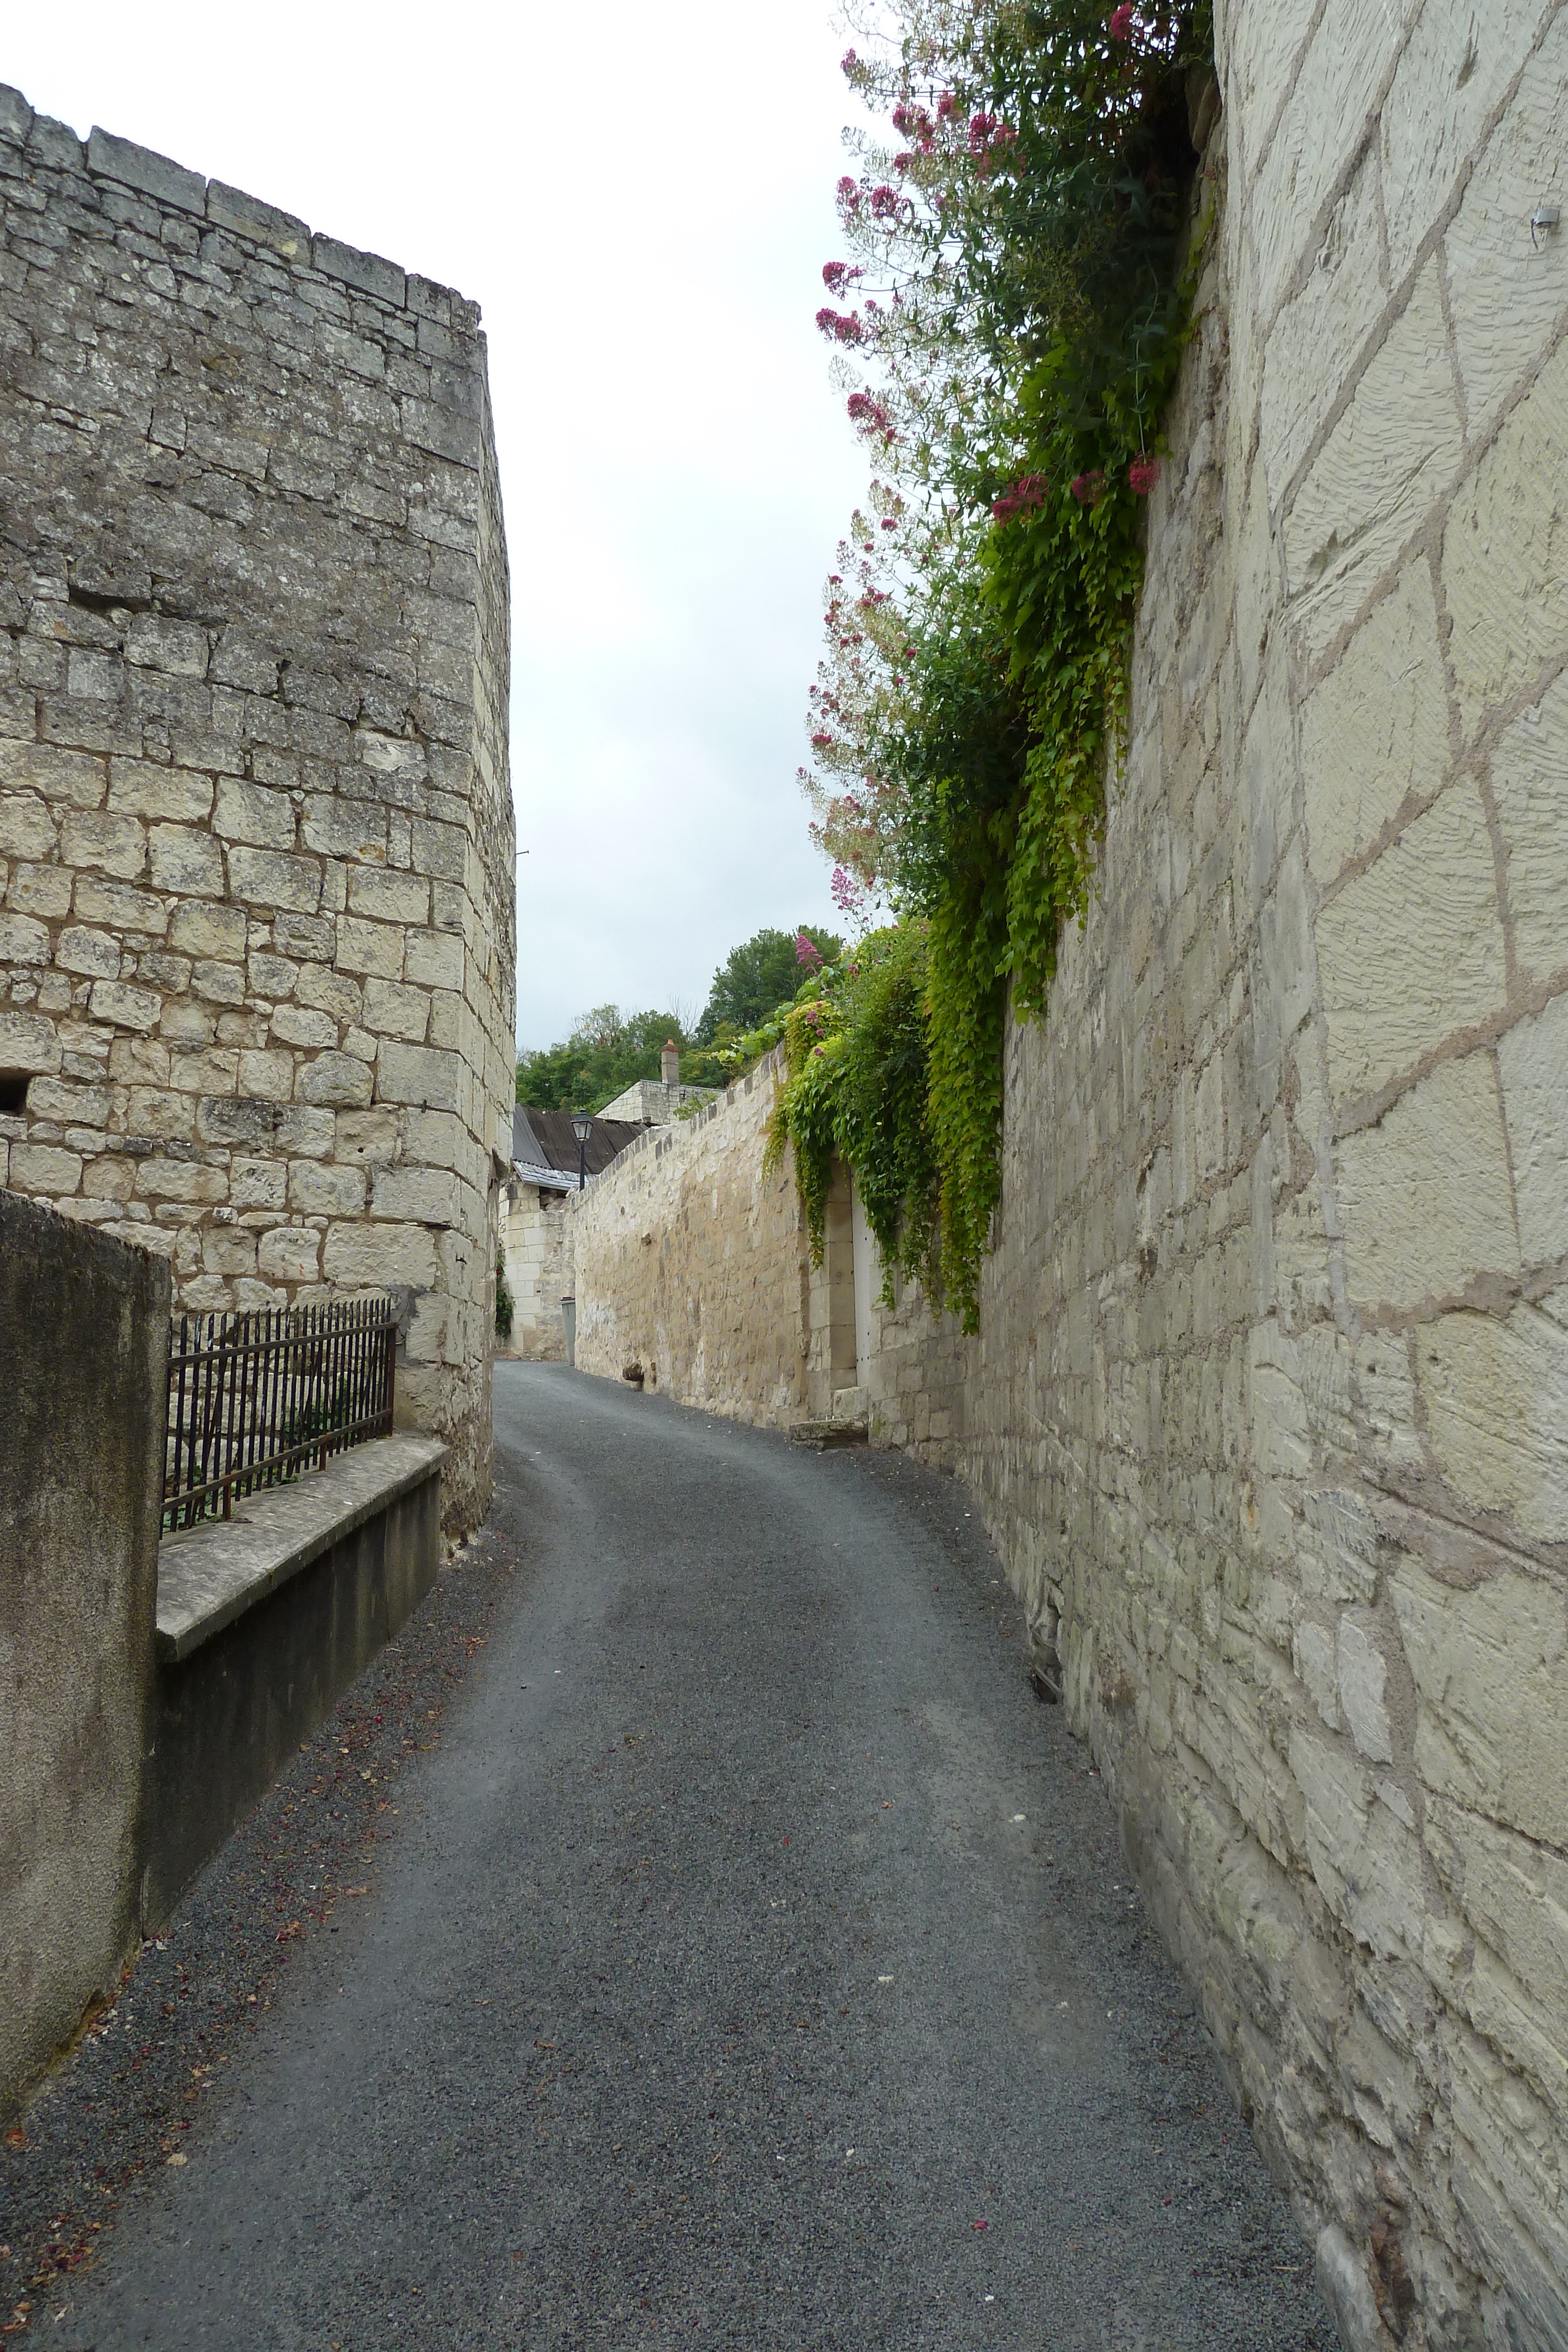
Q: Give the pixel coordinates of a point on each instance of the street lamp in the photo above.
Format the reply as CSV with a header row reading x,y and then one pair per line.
x,y
582,1128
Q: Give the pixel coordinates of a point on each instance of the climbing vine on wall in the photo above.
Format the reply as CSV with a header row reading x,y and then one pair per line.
x,y
1008,332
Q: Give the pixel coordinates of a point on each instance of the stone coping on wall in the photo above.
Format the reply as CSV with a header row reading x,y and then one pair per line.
x,y
208,1576
230,210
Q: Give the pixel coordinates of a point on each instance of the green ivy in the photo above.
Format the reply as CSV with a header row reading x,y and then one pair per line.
x,y
984,701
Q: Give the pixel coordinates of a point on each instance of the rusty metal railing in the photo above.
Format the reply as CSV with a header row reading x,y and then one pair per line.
x,y
256,1399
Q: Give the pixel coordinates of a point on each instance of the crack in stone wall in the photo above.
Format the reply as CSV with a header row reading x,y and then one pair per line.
x,y
257,921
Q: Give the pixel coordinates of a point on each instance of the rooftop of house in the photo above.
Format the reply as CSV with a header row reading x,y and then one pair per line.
x,y
545,1148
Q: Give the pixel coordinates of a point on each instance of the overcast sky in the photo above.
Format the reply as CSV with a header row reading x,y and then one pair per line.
x,y
641,198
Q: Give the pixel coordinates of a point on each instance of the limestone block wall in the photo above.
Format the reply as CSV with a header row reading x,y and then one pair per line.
x,y
534,1236
1268,1407
686,1259
257,898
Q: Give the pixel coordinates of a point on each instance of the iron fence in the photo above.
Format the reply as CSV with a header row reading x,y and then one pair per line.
x,y
258,1398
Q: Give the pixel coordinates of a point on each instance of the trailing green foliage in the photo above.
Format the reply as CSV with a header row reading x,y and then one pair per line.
x,y
506,1305
975,691
856,1088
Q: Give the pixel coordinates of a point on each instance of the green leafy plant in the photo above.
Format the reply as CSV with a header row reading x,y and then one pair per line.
x,y
506,1305
1034,237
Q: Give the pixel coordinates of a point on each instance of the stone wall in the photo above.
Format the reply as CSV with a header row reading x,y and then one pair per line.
x,y
81,1488
256,900
534,1236
687,1260
1268,1407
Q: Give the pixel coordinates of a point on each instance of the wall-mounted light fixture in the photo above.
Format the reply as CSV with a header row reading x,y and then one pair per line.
x,y
582,1128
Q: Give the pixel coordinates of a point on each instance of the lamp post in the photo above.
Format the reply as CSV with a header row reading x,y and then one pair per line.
x,y
582,1128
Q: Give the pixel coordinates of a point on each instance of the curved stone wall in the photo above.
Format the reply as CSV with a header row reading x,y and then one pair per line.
x,y
256,893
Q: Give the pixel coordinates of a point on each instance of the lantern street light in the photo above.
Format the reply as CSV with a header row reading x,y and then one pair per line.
x,y
582,1128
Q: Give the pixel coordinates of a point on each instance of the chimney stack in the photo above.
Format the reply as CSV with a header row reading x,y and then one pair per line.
x,y
670,1063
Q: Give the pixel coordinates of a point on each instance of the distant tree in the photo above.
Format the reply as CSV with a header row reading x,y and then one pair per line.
x,y
607,1051
765,971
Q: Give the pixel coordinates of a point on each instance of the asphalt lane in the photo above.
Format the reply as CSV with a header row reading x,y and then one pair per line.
x,y
754,1965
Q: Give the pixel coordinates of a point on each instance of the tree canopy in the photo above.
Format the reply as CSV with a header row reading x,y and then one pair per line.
x,y
763,972
607,1051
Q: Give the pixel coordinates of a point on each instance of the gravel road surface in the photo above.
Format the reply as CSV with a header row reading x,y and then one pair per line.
x,y
750,1962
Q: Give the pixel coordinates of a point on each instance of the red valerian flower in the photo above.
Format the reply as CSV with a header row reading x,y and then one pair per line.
x,y
889,522
842,325
837,275
1143,474
980,129
1121,22
808,952
868,413
848,195
1089,488
848,62
1027,493
944,105
819,743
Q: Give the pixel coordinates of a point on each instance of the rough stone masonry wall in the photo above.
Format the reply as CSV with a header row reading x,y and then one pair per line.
x,y
256,901
686,1259
1269,1408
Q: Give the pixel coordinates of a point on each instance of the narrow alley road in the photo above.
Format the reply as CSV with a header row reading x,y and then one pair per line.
x,y
754,1965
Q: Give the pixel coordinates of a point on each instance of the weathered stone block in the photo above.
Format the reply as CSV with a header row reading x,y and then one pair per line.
x,y
368,1257
77,778
418,1074
317,1189
26,827
388,897
1495,1393
270,878
396,1011
184,860
23,940
127,1007
250,813
373,947
1491,1669
97,838
1534,1061
336,1080
1412,949
140,788
213,931
40,1168
1425,1196
1376,731
289,1254
1505,574
428,1195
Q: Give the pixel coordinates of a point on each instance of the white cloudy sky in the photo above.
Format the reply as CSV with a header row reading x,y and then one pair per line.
x,y
641,198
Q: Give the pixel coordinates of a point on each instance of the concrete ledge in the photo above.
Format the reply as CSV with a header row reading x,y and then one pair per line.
x,y
263,1623
208,1576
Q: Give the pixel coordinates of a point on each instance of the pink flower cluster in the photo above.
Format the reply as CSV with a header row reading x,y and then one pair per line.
x,y
847,894
844,326
807,952
1143,474
1089,488
1027,493
1121,22
868,414
837,275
